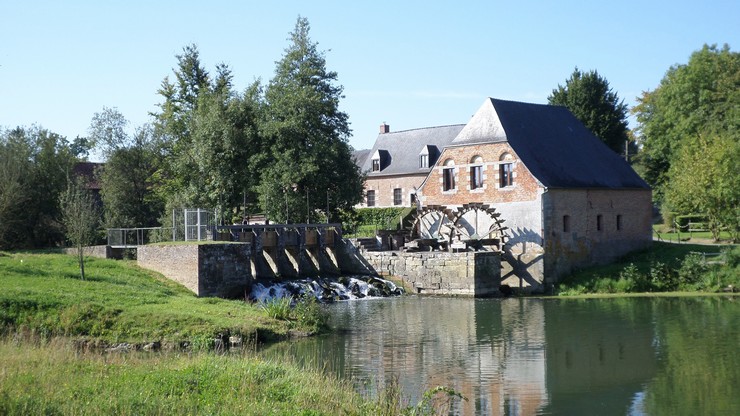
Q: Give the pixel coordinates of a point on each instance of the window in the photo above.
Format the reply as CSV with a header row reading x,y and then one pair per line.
x,y
619,222
566,223
376,165
598,222
448,175
448,179
423,161
413,199
397,196
476,177
476,173
506,174
370,198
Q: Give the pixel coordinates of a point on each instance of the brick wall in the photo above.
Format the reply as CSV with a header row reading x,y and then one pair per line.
x,y
384,186
206,269
587,239
524,188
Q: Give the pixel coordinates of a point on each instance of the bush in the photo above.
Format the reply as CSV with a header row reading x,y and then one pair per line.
x,y
277,308
308,313
662,278
693,267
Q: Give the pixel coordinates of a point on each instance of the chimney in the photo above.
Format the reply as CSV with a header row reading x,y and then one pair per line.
x,y
384,128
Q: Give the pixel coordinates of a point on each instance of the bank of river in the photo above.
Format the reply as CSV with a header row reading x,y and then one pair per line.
x,y
624,355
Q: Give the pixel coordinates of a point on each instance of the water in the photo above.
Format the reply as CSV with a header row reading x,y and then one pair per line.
x,y
638,356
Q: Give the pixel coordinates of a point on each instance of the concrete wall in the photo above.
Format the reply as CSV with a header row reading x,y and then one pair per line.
x,y
585,241
206,269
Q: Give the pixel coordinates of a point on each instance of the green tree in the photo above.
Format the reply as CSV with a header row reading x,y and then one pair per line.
x,y
35,167
699,97
703,179
80,217
588,96
309,156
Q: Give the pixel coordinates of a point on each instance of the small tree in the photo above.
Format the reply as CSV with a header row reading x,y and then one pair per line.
x,y
80,217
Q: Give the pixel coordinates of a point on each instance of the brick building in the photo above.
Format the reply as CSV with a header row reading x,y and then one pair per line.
x,y
399,162
567,199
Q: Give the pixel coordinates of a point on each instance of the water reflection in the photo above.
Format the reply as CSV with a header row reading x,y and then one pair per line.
x,y
528,356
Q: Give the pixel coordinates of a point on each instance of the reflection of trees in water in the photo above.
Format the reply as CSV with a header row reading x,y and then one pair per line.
x,y
552,356
697,340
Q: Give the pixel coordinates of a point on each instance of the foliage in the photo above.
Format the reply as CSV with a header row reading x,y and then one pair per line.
x,y
309,156
666,267
379,216
126,181
703,178
80,216
693,99
107,131
588,96
305,311
34,166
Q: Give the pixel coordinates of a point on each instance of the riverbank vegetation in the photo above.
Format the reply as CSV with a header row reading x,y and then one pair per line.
x,y
665,267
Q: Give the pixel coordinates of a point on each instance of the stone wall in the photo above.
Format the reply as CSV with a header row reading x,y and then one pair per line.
x,y
602,225
206,269
429,273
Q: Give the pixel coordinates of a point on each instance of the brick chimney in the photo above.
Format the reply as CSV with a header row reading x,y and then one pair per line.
x,y
384,128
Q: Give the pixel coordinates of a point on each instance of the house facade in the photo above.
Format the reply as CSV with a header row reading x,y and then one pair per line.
x,y
567,200
399,162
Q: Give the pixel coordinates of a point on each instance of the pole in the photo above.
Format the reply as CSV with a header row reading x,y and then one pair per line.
x,y
327,206
308,209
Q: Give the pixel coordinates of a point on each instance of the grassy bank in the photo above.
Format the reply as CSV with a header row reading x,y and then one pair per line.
x,y
665,267
118,302
55,379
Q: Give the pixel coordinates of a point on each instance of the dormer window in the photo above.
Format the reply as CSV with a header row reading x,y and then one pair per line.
x,y
376,165
428,156
381,159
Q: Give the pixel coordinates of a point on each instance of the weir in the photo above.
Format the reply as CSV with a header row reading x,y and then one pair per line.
x,y
241,256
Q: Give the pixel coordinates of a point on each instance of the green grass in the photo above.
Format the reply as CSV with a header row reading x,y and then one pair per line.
x,y
55,379
659,231
117,302
662,268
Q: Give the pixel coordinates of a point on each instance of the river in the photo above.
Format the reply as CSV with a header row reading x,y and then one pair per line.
x,y
531,356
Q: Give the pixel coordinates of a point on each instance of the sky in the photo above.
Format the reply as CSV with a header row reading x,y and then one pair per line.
x,y
409,64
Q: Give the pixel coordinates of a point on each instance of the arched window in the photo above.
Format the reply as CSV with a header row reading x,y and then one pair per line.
x,y
506,170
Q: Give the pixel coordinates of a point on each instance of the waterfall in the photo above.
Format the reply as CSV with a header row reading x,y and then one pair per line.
x,y
327,289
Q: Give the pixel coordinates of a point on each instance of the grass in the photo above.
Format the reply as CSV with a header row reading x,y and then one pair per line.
x,y
661,232
55,379
664,267
118,302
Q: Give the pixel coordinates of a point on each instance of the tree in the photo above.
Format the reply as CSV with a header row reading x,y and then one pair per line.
x,y
307,135
703,179
108,130
696,98
80,218
589,97
35,165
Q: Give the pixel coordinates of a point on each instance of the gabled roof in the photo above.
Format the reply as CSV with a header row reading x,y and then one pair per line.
x,y
552,143
359,156
404,148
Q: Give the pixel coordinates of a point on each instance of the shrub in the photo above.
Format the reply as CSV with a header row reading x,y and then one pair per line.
x,y
693,267
277,308
309,314
661,277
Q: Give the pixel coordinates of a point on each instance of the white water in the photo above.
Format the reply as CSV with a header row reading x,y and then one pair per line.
x,y
327,290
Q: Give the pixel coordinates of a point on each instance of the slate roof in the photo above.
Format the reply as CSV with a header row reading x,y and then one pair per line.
x,y
359,156
404,147
552,143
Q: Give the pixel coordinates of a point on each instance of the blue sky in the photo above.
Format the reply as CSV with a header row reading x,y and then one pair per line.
x,y
410,64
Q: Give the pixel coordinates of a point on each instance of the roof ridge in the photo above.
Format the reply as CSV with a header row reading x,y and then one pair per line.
x,y
423,128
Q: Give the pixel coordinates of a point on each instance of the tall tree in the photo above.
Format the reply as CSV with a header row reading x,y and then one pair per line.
x,y
710,186
80,217
34,166
699,97
588,96
309,156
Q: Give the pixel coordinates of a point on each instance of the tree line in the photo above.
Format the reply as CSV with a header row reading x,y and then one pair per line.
x,y
282,149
